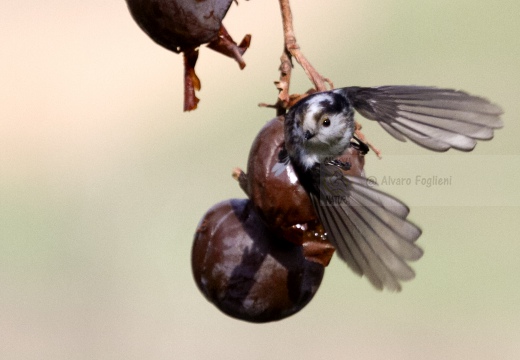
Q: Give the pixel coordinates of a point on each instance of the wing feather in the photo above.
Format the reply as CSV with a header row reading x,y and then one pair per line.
x,y
454,140
378,198
346,252
384,255
368,228
353,240
438,119
389,129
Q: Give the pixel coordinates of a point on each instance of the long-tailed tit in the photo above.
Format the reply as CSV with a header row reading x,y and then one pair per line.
x,y
369,228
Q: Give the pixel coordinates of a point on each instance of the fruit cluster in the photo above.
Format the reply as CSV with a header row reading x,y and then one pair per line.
x,y
258,259
263,258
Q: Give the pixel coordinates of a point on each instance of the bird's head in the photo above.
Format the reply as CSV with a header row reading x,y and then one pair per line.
x,y
319,127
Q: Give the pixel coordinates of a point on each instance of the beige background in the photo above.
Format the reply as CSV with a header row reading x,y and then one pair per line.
x,y
103,180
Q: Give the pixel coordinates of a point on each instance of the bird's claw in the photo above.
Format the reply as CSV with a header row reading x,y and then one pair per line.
x,y
342,165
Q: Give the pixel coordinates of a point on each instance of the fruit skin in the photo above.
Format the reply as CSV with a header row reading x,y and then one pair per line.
x,y
279,198
179,24
245,270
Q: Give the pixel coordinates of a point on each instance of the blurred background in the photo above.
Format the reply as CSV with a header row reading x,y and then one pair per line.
x,y
103,180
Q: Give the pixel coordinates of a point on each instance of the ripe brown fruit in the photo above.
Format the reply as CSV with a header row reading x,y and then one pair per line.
x,y
246,270
184,25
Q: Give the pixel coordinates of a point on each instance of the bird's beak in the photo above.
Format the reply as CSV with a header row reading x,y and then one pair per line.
x,y
308,135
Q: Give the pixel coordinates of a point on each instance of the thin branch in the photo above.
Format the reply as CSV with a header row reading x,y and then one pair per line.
x,y
292,49
285,78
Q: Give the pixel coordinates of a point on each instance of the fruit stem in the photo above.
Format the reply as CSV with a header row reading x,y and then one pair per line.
x,y
292,49
191,80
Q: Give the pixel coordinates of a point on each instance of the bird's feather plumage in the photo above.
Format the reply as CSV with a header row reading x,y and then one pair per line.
x,y
437,119
368,228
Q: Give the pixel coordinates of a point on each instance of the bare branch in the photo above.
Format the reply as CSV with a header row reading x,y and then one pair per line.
x,y
292,49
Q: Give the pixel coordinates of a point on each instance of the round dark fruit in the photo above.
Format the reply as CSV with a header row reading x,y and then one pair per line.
x,y
184,25
179,24
245,270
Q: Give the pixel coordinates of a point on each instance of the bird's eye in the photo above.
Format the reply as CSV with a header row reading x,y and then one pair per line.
x,y
326,122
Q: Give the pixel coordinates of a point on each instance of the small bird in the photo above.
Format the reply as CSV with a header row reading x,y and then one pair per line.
x,y
369,228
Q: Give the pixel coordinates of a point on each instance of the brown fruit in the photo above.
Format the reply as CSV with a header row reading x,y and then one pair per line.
x,y
245,270
280,199
179,24
184,25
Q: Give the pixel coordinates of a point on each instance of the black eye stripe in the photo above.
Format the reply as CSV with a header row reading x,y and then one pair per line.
x,y
299,113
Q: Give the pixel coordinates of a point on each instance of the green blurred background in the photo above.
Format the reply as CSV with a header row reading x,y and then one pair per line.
x,y
103,180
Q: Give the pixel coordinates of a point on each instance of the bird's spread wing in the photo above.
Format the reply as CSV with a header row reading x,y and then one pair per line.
x,y
437,119
368,227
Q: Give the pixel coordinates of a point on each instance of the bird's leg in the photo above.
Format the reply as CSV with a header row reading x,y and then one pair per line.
x,y
363,139
343,165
